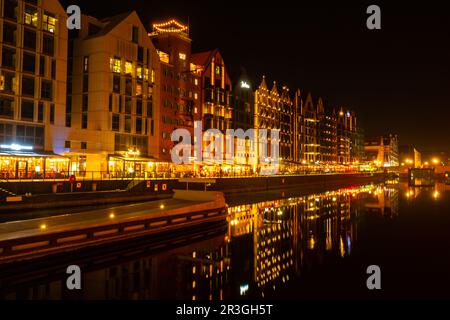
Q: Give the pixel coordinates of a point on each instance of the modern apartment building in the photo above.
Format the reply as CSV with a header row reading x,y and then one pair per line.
x,y
33,49
346,130
111,114
327,135
244,119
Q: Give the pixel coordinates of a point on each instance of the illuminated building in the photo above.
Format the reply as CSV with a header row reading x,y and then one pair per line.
x,y
382,151
33,51
215,97
346,130
328,136
180,83
110,116
244,118
309,131
216,111
275,111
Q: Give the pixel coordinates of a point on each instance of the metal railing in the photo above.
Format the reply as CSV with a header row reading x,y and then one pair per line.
x,y
108,176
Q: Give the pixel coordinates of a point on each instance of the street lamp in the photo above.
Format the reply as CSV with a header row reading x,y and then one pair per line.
x,y
435,160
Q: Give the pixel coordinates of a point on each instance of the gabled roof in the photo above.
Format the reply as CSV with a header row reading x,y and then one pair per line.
x,y
110,23
274,88
202,58
263,84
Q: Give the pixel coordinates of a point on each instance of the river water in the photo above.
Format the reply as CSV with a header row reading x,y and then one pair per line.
x,y
274,246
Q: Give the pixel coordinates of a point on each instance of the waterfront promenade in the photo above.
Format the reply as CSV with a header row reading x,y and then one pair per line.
x,y
42,236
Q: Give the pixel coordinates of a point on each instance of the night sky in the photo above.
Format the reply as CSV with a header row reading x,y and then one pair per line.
x,y
396,78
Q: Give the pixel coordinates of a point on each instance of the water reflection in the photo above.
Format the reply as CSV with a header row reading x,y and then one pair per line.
x,y
265,246
291,235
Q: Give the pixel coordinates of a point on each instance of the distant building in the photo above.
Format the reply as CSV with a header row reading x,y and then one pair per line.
x,y
244,118
410,157
357,153
309,130
275,111
382,151
346,130
328,135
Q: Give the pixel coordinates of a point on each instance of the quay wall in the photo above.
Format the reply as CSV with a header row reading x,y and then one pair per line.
x,y
43,195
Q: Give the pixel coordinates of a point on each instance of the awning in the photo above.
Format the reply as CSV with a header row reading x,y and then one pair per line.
x,y
136,158
42,154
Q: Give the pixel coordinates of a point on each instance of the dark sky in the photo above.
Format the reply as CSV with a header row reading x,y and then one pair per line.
x,y
396,78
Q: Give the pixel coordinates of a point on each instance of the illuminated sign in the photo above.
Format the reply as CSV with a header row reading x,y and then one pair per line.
x,y
15,147
245,85
243,289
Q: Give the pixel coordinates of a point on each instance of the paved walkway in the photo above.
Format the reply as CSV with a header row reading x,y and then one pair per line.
x,y
99,217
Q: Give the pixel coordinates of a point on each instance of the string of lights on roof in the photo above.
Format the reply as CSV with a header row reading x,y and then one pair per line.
x,y
172,26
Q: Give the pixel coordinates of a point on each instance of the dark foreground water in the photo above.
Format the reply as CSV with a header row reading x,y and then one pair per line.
x,y
293,247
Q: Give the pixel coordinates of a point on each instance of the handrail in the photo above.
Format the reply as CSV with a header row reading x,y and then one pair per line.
x,y
122,176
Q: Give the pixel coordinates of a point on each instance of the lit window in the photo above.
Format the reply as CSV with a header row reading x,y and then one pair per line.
x,y
196,96
31,16
139,72
164,57
146,74
128,68
182,56
139,89
196,82
218,70
49,22
115,64
153,76
86,64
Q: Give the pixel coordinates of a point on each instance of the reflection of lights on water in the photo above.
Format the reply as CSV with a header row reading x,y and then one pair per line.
x,y
349,244
436,195
312,243
342,248
112,216
43,226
